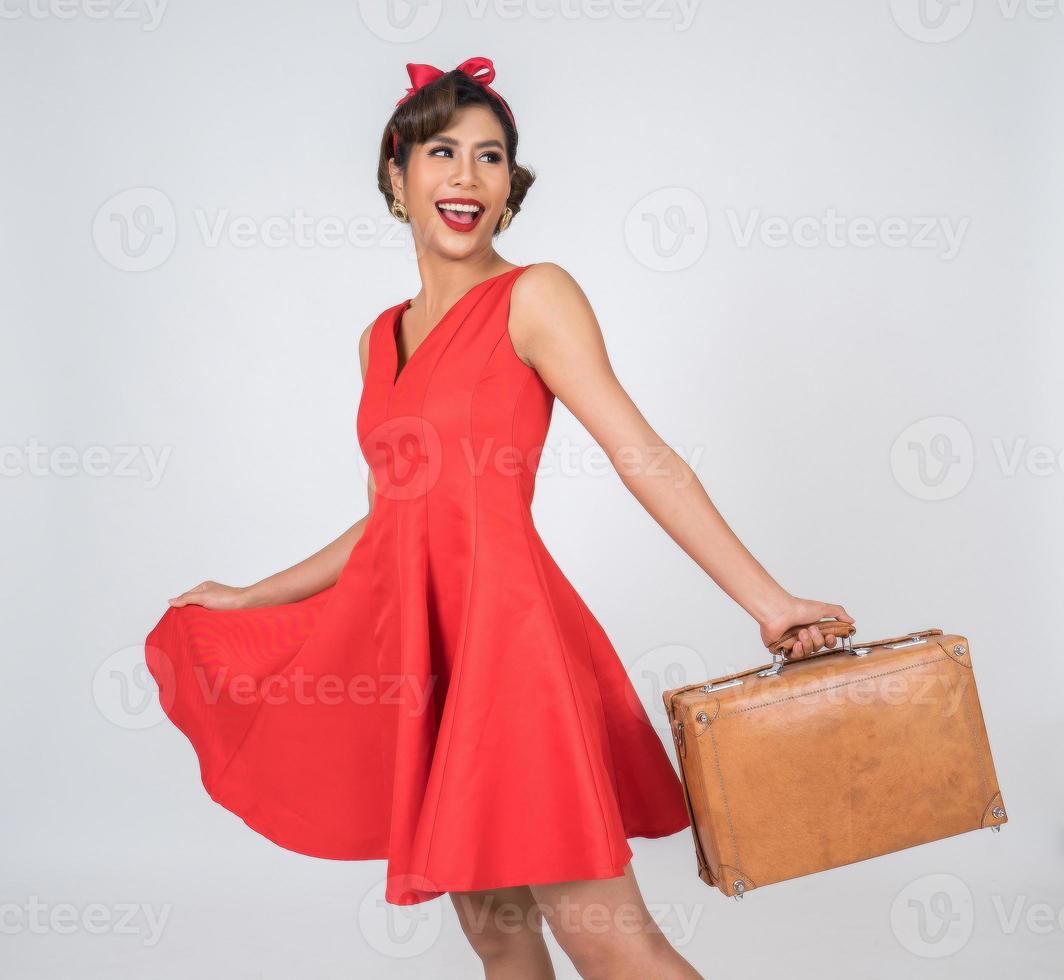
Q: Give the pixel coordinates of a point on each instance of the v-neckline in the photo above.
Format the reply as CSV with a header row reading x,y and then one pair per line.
x,y
397,372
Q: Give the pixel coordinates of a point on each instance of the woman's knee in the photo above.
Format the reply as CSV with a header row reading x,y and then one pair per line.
x,y
499,925
612,953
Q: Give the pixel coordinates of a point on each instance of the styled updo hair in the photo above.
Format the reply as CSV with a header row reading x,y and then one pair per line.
x,y
429,111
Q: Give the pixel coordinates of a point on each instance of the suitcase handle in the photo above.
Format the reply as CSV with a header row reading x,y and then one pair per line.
x,y
784,643
837,628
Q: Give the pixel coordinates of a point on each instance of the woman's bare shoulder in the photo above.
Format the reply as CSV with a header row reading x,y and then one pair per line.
x,y
545,304
545,294
544,282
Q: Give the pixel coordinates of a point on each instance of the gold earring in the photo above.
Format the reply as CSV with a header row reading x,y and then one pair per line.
x,y
504,221
400,212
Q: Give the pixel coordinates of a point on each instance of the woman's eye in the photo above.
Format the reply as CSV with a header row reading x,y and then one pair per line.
x,y
492,156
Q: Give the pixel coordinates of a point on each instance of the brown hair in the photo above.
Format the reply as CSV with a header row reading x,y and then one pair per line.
x,y
429,111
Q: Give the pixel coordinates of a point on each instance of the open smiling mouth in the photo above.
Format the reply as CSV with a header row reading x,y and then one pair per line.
x,y
461,215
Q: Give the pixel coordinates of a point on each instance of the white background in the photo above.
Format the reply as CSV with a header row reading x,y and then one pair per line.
x,y
824,389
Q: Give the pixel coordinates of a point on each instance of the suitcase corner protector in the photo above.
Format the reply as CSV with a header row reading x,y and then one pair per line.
x,y
994,813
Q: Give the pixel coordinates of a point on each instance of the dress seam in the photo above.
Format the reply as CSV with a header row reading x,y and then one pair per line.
x,y
525,519
457,681
609,742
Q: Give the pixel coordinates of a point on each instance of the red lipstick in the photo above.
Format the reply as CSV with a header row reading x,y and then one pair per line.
x,y
464,217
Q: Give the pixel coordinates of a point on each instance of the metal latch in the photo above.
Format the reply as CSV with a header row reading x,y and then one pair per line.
x,y
913,641
710,688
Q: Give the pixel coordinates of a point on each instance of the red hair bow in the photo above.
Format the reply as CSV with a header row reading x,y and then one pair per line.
x,y
481,70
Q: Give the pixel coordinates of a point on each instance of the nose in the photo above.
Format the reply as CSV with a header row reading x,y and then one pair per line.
x,y
464,170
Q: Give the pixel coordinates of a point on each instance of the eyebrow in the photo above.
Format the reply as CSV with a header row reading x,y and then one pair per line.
x,y
453,142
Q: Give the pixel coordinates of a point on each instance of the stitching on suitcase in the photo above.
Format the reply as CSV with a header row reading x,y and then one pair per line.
x,y
724,794
832,687
700,852
975,745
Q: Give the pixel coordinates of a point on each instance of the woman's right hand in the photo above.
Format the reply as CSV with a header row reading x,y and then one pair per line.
x,y
213,595
804,612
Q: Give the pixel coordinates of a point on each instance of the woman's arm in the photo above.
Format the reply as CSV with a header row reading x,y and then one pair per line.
x,y
554,330
304,579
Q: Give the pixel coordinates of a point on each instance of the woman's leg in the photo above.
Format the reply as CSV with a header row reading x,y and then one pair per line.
x,y
505,928
606,930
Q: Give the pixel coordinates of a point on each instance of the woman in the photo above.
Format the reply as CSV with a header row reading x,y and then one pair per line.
x,y
429,688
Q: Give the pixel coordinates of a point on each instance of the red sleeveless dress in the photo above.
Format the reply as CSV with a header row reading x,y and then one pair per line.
x,y
450,704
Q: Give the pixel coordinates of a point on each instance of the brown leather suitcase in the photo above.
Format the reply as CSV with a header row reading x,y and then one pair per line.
x,y
845,754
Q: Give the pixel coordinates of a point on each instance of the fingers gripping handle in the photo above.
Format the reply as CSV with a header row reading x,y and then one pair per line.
x,y
784,643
